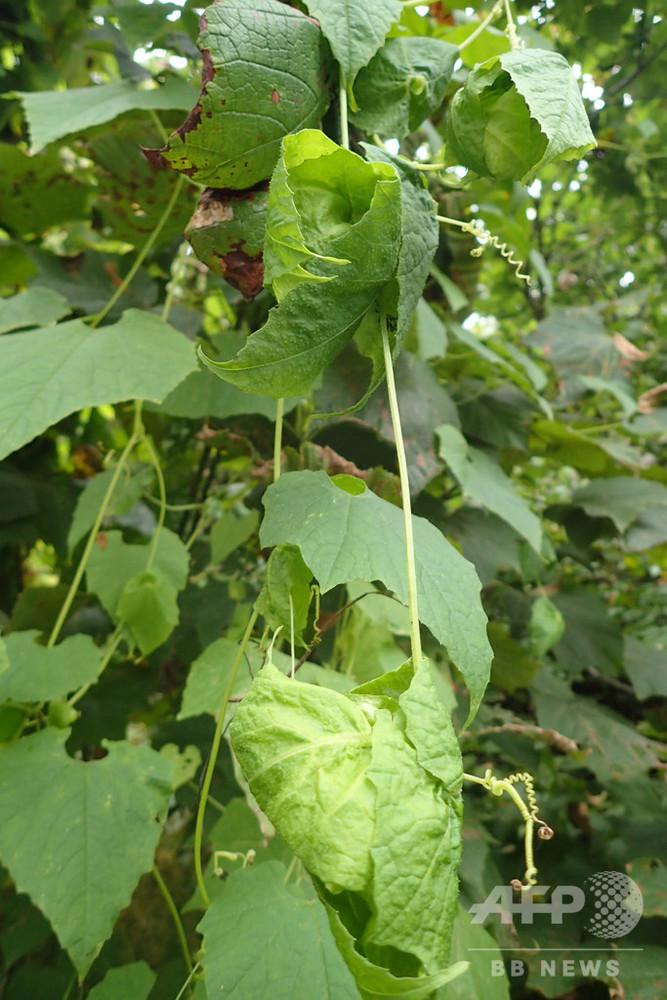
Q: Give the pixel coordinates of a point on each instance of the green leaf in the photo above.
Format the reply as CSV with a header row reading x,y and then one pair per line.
x,y
344,538
305,751
415,882
474,943
402,85
516,113
89,834
113,563
622,498
35,673
546,627
354,31
286,576
230,532
252,95
341,216
209,673
645,665
126,494
34,307
429,728
512,666
617,752
483,480
592,638
203,394
132,982
263,938
48,374
53,114
377,983
575,341
227,233
149,606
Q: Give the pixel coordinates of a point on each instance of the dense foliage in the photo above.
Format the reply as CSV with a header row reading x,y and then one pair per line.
x,y
237,253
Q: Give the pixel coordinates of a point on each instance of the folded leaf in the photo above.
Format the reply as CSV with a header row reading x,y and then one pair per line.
x,y
305,751
516,113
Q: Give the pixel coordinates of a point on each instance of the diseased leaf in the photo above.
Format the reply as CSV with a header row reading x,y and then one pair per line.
x,y
35,673
402,85
23,207
305,751
48,374
227,234
52,114
354,31
264,938
484,481
344,537
263,78
517,112
89,834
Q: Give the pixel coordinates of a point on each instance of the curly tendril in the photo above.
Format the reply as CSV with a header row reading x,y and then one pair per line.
x,y
528,812
490,239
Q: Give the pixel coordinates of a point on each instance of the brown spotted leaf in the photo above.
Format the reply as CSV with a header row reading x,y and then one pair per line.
x,y
227,234
264,76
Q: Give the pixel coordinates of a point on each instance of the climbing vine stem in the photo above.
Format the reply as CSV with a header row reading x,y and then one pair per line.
x,y
135,437
175,916
415,637
215,747
344,127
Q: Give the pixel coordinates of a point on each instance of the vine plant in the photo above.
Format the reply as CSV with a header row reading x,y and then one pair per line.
x,y
309,201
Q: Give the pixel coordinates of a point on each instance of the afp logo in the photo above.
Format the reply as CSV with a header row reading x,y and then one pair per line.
x,y
613,904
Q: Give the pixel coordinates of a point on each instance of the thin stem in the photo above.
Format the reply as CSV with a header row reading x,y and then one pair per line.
x,y
344,127
113,645
510,30
494,13
428,167
278,438
175,916
217,736
83,562
141,256
185,985
415,637
155,462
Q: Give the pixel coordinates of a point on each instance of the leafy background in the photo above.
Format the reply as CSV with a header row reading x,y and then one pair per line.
x,y
534,422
